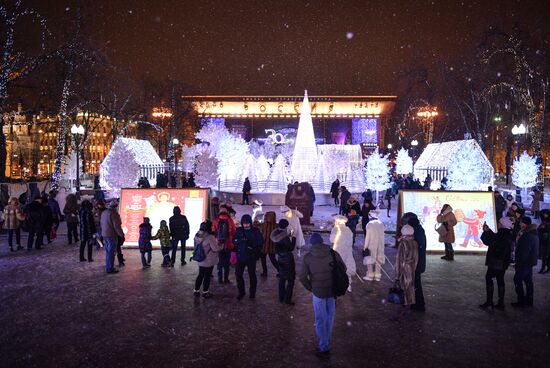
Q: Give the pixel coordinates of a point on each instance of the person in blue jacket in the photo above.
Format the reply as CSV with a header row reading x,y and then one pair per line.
x,y
248,242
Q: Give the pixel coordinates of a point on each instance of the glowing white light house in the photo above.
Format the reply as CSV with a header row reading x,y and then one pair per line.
x,y
304,158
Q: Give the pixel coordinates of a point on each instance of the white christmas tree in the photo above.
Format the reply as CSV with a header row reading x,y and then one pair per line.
x,y
525,172
403,162
280,173
206,169
255,149
464,172
231,154
120,169
377,172
304,160
262,169
188,154
213,134
70,167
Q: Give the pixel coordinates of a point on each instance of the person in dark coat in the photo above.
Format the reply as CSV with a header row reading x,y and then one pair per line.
x,y
335,191
367,195
352,212
179,231
420,238
248,241
246,191
54,207
48,219
344,196
500,205
365,210
544,240
311,200
144,242
497,259
527,248
87,230
71,216
284,245
316,275
35,219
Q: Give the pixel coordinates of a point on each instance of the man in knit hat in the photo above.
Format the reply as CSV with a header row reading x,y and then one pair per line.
x,y
316,276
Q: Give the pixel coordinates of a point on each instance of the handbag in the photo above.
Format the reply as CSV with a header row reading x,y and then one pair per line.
x,y
396,295
366,252
441,229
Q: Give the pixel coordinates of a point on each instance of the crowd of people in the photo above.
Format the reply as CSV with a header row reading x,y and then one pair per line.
x,y
226,241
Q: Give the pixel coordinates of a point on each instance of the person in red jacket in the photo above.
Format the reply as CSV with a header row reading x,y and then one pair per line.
x,y
224,230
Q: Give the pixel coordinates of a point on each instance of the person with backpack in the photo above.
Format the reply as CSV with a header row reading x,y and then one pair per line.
x,y
163,235
144,242
179,230
205,254
248,242
284,245
87,230
317,276
224,230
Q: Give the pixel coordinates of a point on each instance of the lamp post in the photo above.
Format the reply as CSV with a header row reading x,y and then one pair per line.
x,y
427,116
77,131
414,143
518,131
175,143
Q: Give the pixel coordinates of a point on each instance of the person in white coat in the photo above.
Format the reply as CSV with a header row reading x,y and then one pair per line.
x,y
295,228
342,239
374,242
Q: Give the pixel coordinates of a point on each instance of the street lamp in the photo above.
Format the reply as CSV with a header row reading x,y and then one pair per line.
x,y
518,131
414,143
427,116
77,132
175,143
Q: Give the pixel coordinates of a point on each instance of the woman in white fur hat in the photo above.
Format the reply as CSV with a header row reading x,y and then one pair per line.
x,y
405,263
342,239
374,242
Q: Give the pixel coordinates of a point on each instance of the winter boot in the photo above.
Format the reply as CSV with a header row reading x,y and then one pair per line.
x,y
446,256
451,255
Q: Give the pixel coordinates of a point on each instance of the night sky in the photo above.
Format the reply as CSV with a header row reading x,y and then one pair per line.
x,y
282,47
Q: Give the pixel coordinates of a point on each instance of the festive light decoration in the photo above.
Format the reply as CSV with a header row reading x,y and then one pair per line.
x,y
304,160
437,157
526,170
231,154
206,169
212,133
464,171
119,169
127,160
70,167
403,162
377,172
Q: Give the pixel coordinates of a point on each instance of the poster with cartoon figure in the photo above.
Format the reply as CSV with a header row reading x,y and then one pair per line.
x,y
158,204
471,210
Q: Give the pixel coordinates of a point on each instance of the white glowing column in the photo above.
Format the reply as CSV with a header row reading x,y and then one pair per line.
x,y
304,158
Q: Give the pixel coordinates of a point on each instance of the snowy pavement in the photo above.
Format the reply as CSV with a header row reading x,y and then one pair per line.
x,y
58,312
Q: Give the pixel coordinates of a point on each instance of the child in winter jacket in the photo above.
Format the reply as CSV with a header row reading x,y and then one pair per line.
x,y
144,242
163,234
